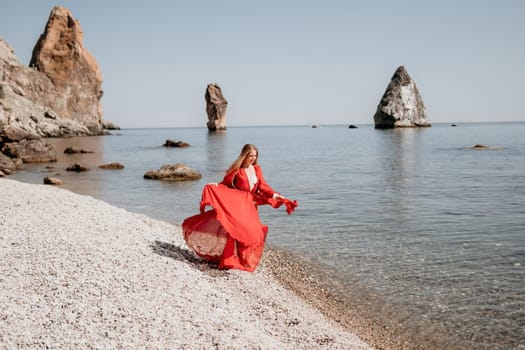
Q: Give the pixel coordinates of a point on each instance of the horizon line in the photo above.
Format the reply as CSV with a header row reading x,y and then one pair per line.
x,y
310,125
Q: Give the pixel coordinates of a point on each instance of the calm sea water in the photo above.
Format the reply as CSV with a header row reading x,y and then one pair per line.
x,y
432,228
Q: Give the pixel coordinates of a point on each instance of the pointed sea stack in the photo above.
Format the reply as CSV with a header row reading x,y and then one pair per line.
x,y
60,54
215,108
401,104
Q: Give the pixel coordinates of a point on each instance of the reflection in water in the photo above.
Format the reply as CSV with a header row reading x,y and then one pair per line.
x,y
216,144
401,149
397,226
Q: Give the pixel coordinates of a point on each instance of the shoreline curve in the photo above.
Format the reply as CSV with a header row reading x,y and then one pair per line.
x,y
78,272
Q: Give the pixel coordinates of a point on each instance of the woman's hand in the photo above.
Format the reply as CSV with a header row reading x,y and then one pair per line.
x,y
278,196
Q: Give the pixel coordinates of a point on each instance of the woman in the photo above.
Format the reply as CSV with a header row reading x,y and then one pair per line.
x,y
231,233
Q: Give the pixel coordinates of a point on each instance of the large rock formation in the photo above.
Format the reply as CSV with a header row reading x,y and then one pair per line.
x,y
58,97
27,100
216,108
401,104
61,56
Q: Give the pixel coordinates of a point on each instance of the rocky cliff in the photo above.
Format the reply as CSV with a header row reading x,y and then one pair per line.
x,y
57,96
27,98
61,56
215,108
401,104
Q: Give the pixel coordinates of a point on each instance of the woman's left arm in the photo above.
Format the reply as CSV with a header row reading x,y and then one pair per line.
x,y
266,195
263,187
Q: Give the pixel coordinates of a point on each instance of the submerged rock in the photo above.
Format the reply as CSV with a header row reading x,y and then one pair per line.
x,y
77,167
215,108
401,104
171,143
176,172
113,166
480,147
73,150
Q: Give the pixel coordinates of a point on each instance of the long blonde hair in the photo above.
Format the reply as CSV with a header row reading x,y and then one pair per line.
x,y
246,149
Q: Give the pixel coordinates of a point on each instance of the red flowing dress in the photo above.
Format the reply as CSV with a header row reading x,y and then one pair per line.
x,y
231,233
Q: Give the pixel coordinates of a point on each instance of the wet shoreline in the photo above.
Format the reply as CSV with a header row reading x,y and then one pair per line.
x,y
359,310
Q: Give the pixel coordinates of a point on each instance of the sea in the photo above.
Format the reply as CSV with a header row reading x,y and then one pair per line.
x,y
415,221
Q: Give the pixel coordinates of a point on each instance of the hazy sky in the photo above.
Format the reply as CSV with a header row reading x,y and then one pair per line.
x,y
291,62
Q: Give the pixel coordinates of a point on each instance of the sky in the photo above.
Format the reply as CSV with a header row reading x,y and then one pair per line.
x,y
291,62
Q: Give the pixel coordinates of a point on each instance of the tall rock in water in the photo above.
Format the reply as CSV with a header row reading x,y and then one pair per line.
x,y
216,108
401,104
61,56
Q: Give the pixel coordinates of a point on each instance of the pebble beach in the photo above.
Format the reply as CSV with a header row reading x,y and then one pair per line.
x,y
77,272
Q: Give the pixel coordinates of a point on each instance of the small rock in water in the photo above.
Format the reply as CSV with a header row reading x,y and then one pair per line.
x,y
177,172
114,165
73,150
171,143
478,146
77,167
52,181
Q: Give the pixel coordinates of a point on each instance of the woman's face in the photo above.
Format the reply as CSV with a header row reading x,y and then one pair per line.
x,y
249,159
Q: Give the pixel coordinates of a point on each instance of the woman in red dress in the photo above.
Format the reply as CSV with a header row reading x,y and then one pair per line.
x,y
231,233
